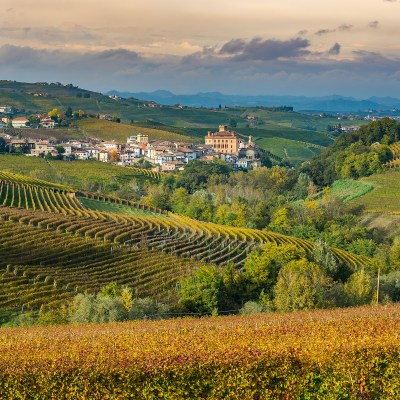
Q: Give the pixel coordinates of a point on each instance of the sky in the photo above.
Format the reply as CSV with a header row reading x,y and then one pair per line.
x,y
249,47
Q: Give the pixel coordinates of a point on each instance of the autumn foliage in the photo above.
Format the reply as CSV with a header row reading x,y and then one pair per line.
x,y
339,354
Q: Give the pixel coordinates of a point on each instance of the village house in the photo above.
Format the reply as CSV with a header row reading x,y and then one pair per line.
x,y
103,156
129,156
189,154
169,166
81,154
143,139
105,117
67,148
42,148
20,122
21,144
47,122
111,145
135,148
6,109
92,151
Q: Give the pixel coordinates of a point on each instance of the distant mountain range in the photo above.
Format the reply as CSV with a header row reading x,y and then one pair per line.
x,y
332,103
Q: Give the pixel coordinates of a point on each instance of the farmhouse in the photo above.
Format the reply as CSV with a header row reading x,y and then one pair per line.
x,y
47,123
20,122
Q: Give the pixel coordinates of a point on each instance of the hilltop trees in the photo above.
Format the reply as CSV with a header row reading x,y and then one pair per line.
x,y
355,154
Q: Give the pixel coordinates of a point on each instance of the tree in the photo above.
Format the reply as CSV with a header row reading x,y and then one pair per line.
x,y
179,200
262,265
232,123
113,155
322,255
54,114
68,113
301,285
202,292
60,150
2,145
358,288
101,308
211,289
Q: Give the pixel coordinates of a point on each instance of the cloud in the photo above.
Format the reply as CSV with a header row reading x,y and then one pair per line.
x,y
335,49
345,27
271,66
373,24
234,46
70,34
263,50
302,32
324,32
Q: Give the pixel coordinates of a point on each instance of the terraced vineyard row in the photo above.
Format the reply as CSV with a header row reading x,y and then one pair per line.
x,y
148,172
395,162
22,179
171,233
39,198
41,264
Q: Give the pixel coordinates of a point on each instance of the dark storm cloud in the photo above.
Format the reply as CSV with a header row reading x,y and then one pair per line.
x,y
264,50
335,49
373,24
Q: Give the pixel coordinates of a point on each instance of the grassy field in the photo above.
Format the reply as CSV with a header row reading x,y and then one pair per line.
x,y
350,189
330,355
286,148
387,224
385,196
108,130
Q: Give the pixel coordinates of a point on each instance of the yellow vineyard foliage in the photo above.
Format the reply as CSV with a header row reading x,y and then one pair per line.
x,y
338,354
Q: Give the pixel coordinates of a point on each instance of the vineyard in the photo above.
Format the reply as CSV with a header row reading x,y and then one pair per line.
x,y
395,162
336,354
56,244
98,175
384,197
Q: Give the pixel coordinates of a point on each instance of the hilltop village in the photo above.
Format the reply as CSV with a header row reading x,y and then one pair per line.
x,y
160,155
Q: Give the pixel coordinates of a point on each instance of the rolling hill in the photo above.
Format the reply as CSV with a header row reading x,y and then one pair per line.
x,y
56,242
292,133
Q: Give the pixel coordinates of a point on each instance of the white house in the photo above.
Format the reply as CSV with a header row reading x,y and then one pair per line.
x,y
47,123
20,122
81,154
129,156
172,166
103,156
110,145
6,109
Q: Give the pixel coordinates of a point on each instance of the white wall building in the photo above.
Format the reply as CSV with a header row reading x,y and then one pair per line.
x,y
20,122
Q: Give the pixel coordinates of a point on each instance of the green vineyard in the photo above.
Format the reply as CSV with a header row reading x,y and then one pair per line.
x,y
395,162
53,244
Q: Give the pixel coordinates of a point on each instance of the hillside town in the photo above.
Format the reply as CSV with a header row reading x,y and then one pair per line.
x,y
160,155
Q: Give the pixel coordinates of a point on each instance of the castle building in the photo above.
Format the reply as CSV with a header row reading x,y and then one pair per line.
x,y
224,141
